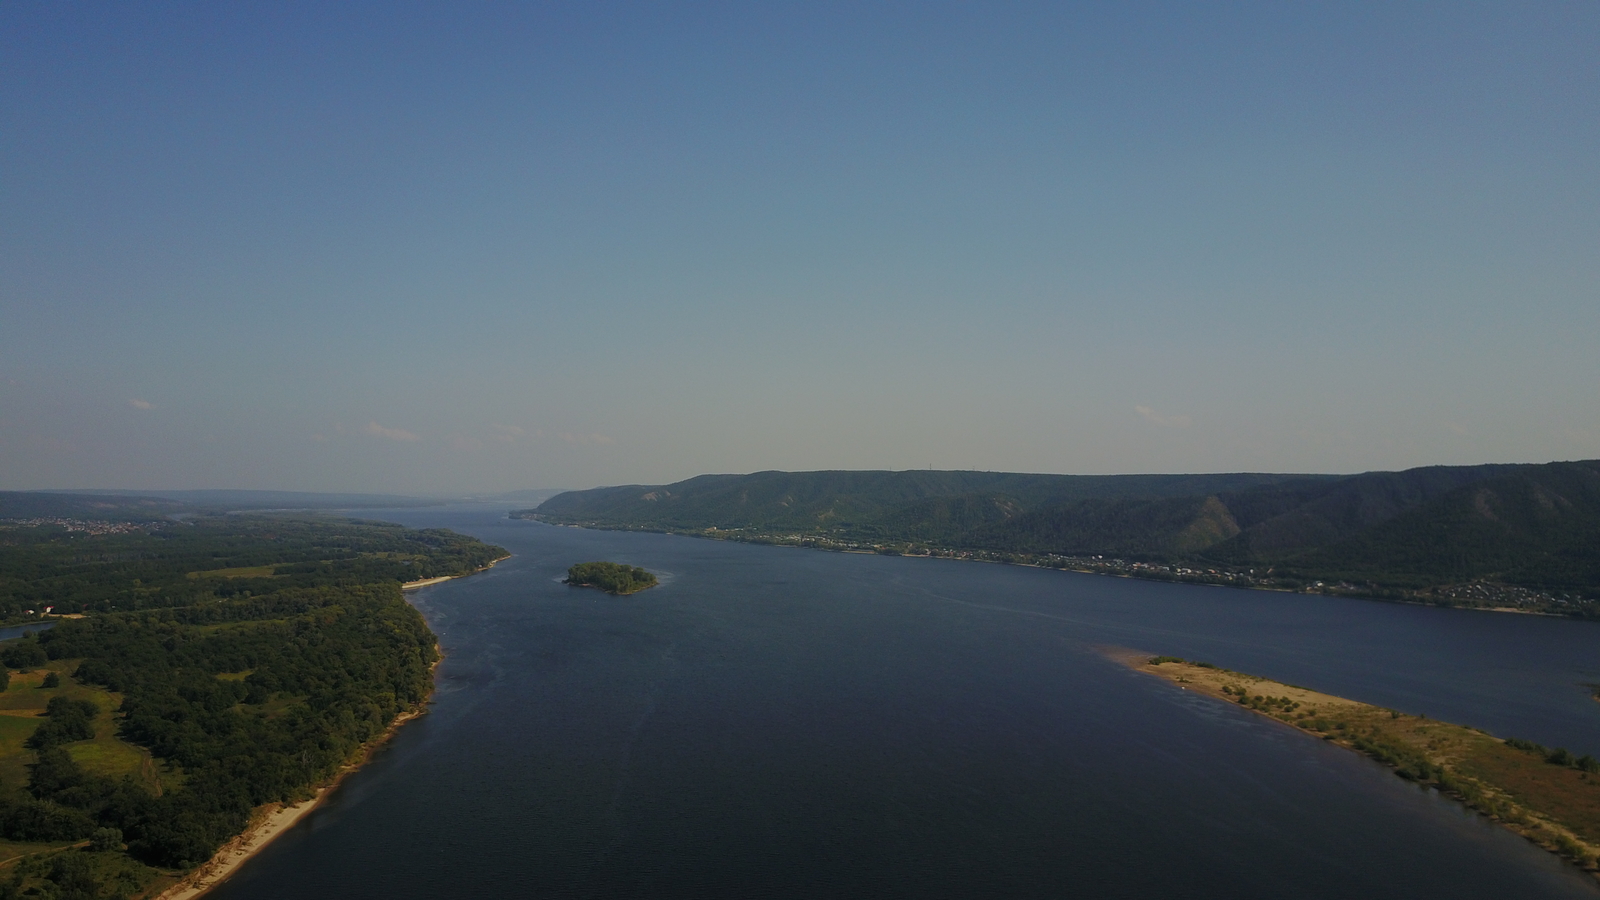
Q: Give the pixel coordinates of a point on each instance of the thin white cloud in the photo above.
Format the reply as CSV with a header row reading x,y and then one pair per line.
x,y
393,434
591,438
141,404
1155,418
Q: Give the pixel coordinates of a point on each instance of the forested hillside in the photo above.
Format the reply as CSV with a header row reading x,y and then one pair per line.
x,y
15,505
1533,527
223,663
939,504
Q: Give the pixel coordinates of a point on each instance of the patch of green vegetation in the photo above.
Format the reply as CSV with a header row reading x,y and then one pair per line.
x,y
237,572
79,874
613,578
79,572
15,757
154,726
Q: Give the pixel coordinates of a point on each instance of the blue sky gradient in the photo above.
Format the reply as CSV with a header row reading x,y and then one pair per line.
x,y
425,248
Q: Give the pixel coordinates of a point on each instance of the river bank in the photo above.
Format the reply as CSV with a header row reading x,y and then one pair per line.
x,y
274,819
1545,795
422,583
1478,595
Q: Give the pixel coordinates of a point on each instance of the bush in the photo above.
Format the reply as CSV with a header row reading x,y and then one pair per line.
x,y
70,720
41,820
70,872
1527,746
24,654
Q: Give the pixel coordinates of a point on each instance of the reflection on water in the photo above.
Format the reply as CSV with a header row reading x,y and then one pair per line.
x,y
784,723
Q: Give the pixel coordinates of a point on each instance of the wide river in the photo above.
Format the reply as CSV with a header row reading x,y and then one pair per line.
x,y
772,722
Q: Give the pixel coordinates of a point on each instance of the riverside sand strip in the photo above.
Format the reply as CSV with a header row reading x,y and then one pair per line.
x,y
1545,795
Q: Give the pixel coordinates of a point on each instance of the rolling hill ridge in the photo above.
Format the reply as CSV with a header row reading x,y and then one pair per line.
x,y
1532,527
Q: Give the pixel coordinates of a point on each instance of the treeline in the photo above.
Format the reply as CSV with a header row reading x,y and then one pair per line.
x,y
200,560
246,697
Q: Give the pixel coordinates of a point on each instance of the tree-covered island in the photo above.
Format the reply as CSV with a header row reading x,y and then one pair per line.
x,y
221,666
613,578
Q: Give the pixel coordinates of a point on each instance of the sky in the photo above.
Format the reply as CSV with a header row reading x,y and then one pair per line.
x,y
434,248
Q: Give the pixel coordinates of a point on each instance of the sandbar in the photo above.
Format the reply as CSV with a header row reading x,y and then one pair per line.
x,y
1544,795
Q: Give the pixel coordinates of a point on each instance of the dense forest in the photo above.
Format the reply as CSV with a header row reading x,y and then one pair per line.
x,y
613,578
223,663
1494,535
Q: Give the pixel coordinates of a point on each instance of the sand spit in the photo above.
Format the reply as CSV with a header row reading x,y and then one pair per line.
x,y
1543,795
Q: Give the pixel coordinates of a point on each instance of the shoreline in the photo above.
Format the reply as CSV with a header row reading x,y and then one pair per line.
x,y
422,583
1079,571
270,821
1518,785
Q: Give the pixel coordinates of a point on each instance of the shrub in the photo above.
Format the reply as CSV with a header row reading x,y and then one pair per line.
x,y
1527,746
24,654
41,820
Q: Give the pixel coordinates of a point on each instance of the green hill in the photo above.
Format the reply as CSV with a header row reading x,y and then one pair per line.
x,y
1531,526
942,505
1537,526
98,507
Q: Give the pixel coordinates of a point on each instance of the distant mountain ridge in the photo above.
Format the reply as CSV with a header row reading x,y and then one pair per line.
x,y
149,506
1533,525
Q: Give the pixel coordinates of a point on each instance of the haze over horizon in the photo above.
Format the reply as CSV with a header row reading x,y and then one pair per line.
x,y
414,249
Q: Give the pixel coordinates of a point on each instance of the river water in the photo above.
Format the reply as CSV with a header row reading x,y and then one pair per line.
x,y
773,722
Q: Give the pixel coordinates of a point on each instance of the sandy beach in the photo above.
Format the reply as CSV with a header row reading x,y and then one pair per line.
x,y
413,585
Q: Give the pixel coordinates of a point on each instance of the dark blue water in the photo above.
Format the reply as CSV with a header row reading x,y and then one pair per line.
x,y
17,631
784,723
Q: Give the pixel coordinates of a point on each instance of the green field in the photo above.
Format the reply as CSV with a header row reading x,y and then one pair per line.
x,y
22,707
237,572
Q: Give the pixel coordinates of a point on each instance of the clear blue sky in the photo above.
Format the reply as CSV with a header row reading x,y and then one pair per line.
x,y
470,247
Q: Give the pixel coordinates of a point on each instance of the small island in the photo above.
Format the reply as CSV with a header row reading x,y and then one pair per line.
x,y
1548,796
613,578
